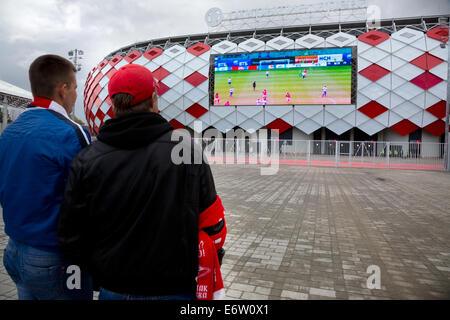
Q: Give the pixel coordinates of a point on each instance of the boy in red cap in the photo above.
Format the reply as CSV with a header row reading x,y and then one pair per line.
x,y
131,214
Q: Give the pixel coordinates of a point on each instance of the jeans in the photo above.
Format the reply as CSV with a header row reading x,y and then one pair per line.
x,y
109,295
42,275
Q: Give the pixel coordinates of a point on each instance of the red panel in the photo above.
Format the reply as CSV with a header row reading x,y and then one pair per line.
x,y
110,112
196,110
110,73
439,33
100,115
373,109
176,124
98,102
373,37
108,100
115,60
438,109
153,53
426,80
102,64
196,78
374,72
404,127
162,89
436,128
160,73
198,48
279,124
132,56
96,91
427,61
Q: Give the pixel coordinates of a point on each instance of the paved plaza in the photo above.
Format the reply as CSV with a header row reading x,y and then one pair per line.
x,y
312,233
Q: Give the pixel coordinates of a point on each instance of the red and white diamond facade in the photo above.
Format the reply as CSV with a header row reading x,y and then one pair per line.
x,y
401,84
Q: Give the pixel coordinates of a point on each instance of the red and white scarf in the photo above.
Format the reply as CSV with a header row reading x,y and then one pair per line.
x,y
209,280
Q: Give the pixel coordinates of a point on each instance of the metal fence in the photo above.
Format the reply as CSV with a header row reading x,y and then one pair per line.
x,y
354,154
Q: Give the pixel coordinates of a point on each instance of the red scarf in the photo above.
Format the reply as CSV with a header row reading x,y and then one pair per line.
x,y
209,280
41,102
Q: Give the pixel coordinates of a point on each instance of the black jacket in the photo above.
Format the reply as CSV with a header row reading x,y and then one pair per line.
x,y
130,215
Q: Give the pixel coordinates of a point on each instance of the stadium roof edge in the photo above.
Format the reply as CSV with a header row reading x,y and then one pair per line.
x,y
164,42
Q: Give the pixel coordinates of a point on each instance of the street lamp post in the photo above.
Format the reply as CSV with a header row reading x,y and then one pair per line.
x,y
76,55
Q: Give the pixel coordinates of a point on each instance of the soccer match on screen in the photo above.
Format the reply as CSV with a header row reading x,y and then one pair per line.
x,y
319,76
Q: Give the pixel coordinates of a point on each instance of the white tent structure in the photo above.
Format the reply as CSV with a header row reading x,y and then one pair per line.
x,y
13,101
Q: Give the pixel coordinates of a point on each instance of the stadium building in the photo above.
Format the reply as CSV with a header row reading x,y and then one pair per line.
x,y
398,89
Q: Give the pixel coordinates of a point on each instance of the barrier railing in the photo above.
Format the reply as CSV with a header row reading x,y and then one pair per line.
x,y
328,153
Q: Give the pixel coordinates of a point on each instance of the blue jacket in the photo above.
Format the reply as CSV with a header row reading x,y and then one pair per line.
x,y
35,155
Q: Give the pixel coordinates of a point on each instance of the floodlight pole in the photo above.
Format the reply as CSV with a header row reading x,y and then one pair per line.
x,y
446,42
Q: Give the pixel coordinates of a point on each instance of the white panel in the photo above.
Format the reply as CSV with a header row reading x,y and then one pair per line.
x,y
397,62
350,118
223,126
308,110
361,118
161,59
409,71
341,39
428,118
432,43
384,100
224,47
407,35
419,100
279,43
406,109
385,81
251,45
417,118
174,51
396,100
397,81
339,127
278,111
371,127
104,93
250,125
171,80
142,60
363,82
298,118
386,63
171,95
397,45
340,111
374,91
420,43
430,99
362,46
408,53
362,100
310,41
104,81
441,70
363,63
328,118
308,126
374,54
394,118
172,65
152,66
408,90
440,90
196,63
383,118
195,94
172,111
385,45
440,53
121,63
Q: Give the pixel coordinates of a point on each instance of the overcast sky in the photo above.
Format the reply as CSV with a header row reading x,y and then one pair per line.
x,y
29,28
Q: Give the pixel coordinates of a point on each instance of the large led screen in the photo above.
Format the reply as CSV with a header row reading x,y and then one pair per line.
x,y
294,77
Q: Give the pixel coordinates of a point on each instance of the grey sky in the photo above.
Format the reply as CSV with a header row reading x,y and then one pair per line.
x,y
29,28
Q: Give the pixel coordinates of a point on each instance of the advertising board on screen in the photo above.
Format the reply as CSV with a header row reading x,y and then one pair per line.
x,y
294,77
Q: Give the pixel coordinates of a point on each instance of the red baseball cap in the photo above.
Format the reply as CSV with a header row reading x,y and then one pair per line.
x,y
133,79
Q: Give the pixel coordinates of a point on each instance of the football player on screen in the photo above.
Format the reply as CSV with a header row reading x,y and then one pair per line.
x,y
324,91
